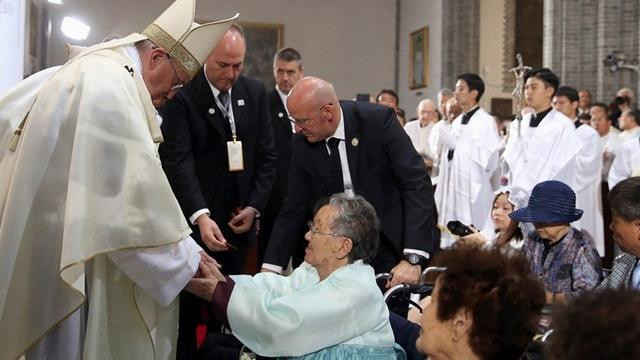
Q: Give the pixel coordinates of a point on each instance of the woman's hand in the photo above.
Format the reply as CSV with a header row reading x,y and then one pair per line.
x,y
473,240
209,276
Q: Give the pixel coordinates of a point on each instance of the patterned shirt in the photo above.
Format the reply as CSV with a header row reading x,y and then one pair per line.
x,y
568,266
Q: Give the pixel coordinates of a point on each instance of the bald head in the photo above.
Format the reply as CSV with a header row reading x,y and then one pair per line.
x,y
453,109
314,105
224,64
426,112
311,91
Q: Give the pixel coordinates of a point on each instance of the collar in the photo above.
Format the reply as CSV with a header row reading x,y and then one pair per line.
x,y
339,133
577,122
469,114
537,118
283,97
133,54
472,110
214,90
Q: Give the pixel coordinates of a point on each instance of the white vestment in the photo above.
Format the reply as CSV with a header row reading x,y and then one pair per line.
x,y
628,134
436,148
419,136
626,163
587,185
611,142
464,192
84,200
546,152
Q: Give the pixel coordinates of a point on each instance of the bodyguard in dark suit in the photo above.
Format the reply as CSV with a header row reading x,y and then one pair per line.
x,y
370,155
287,71
218,114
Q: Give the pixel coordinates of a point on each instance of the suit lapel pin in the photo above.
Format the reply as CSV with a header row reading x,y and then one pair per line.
x,y
212,111
355,142
240,102
280,115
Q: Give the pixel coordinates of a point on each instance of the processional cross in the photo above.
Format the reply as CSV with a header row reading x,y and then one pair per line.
x,y
518,91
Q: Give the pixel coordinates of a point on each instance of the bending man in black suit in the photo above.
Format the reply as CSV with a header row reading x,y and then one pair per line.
x,y
287,71
371,156
215,115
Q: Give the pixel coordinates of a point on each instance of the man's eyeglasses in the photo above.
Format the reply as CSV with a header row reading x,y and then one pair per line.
x,y
314,230
178,84
303,122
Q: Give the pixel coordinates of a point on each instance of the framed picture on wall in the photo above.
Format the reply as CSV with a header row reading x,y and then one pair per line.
x,y
419,58
263,40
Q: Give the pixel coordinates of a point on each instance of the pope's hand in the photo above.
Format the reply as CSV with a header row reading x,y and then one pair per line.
x,y
210,275
404,272
211,234
242,221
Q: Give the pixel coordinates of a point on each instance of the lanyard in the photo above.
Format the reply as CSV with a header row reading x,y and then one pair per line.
x,y
228,115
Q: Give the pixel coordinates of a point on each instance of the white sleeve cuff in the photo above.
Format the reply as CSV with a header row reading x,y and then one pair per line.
x,y
194,217
161,271
275,268
424,254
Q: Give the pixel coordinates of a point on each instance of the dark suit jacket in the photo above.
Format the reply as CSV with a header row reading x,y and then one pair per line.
x,y
282,136
385,169
194,151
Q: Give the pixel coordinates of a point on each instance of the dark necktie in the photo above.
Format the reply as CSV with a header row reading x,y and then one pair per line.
x,y
224,100
336,185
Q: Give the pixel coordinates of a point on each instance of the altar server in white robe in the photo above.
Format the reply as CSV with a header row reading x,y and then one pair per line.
x,y
419,132
328,308
471,151
84,200
601,122
626,163
543,145
588,168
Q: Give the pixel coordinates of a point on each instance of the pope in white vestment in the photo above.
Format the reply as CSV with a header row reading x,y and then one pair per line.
x,y
87,218
468,160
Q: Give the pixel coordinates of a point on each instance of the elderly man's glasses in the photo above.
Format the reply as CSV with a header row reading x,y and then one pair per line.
x,y
178,84
303,122
314,230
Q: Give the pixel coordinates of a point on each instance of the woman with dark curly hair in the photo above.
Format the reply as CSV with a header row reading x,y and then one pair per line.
x,y
598,325
485,305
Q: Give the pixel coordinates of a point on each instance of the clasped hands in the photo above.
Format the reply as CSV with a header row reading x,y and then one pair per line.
x,y
206,279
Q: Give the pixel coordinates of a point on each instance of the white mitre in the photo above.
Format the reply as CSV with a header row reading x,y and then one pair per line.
x,y
185,40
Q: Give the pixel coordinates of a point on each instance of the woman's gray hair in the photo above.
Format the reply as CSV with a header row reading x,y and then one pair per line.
x,y
356,219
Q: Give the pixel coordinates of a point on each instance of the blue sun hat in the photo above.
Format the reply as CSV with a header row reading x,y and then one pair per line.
x,y
550,202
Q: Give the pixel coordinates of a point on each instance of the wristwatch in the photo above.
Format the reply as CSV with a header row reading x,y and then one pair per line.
x,y
415,259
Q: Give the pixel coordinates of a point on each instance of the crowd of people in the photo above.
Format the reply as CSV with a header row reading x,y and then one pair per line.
x,y
182,210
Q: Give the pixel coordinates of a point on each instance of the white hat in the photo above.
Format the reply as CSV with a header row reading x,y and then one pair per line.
x,y
185,40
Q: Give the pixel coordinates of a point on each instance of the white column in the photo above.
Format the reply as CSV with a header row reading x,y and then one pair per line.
x,y
12,42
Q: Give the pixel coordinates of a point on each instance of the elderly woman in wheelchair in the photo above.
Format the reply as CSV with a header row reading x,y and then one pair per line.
x,y
328,308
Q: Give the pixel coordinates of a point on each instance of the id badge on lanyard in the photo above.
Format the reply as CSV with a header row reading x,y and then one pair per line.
x,y
234,147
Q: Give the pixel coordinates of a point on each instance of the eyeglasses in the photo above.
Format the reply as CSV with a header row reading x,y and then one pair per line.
x,y
314,230
178,84
303,122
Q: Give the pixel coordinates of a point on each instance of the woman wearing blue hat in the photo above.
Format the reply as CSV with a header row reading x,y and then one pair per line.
x,y
564,257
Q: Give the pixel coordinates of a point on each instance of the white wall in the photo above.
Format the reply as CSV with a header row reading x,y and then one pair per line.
x,y
348,43
12,42
415,14
492,35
